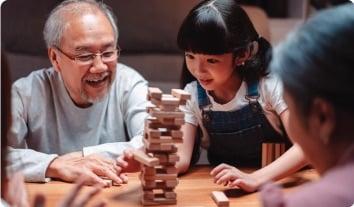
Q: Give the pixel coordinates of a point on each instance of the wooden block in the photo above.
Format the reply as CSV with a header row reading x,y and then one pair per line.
x,y
154,149
179,121
277,151
148,194
170,194
282,148
159,201
270,156
155,92
168,108
153,184
160,177
220,199
164,114
264,154
148,170
181,94
169,100
142,157
176,133
152,132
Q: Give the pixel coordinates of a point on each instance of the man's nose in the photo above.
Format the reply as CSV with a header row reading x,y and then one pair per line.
x,y
98,66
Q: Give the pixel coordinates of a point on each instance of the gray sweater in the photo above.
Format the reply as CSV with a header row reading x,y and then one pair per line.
x,y
46,122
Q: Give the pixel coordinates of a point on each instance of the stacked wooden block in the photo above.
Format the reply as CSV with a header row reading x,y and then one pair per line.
x,y
271,152
162,132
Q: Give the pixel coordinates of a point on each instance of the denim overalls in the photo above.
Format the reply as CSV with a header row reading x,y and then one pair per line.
x,y
236,136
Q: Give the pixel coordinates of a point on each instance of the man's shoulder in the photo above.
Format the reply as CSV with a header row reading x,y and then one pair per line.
x,y
36,80
128,75
124,70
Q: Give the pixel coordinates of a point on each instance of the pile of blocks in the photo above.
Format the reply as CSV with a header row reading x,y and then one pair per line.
x,y
162,132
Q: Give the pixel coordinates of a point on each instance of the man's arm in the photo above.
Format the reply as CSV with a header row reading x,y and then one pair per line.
x,y
133,108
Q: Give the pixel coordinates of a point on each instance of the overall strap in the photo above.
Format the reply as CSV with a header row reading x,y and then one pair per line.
x,y
252,90
203,99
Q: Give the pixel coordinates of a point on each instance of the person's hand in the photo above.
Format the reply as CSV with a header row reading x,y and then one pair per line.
x,y
72,199
15,194
70,167
228,175
127,163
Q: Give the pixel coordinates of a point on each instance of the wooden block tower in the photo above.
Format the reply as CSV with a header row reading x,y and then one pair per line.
x,y
162,132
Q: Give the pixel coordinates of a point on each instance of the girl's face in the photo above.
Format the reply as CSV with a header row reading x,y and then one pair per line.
x,y
211,71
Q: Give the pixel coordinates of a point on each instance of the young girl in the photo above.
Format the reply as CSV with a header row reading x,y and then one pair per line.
x,y
316,67
235,103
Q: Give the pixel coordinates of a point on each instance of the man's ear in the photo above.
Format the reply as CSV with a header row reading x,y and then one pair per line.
x,y
53,57
323,119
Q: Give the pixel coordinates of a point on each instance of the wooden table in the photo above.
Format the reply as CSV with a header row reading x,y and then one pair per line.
x,y
194,189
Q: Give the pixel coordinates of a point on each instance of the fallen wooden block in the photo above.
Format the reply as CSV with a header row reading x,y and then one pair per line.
x,y
145,159
220,199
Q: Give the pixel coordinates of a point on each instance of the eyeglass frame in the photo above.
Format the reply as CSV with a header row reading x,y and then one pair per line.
x,y
92,55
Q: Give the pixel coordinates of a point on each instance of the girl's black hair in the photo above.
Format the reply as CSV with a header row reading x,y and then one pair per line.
x,y
318,60
222,26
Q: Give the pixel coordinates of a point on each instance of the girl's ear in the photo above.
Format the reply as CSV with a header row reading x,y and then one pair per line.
x,y
248,53
242,57
323,119
53,57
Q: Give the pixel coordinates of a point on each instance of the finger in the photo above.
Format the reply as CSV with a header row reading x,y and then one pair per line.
x,y
107,172
39,201
220,174
124,177
84,199
100,204
74,192
128,153
95,180
219,168
122,162
225,178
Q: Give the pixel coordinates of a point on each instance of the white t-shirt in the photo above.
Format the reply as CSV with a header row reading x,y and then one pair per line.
x,y
270,91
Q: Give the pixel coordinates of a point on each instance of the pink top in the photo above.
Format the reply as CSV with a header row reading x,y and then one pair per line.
x,y
335,188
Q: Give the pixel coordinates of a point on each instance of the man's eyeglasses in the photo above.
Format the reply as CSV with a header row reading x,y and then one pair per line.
x,y
87,59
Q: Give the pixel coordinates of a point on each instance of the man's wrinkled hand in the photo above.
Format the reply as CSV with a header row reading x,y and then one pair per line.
x,y
70,167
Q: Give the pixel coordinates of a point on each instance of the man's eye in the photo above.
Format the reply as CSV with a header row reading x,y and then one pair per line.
x,y
84,57
212,61
108,54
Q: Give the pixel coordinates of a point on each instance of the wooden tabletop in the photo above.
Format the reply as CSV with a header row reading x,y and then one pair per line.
x,y
194,189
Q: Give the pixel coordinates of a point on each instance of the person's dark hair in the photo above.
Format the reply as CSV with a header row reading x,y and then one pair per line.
x,y
318,59
5,115
222,26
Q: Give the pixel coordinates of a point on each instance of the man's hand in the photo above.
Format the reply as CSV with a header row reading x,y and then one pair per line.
x,y
70,167
231,176
127,163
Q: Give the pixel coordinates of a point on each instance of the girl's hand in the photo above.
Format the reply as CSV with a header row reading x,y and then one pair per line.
x,y
234,178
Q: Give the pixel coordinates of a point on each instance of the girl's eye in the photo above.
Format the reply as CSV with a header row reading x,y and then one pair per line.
x,y
212,61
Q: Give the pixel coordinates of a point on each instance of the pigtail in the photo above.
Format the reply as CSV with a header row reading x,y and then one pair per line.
x,y
256,67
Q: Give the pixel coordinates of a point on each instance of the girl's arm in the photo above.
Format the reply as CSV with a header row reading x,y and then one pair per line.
x,y
291,161
185,149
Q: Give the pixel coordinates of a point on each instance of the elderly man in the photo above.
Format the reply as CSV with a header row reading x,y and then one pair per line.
x,y
78,116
